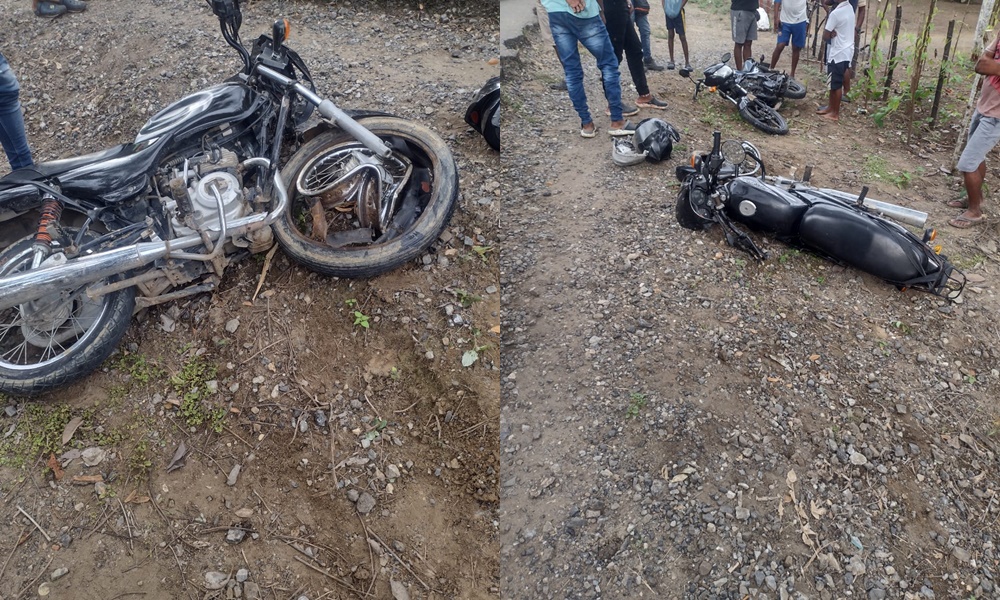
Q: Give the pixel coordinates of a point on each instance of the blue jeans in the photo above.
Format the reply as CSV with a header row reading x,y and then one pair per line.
x,y
12,137
567,31
642,23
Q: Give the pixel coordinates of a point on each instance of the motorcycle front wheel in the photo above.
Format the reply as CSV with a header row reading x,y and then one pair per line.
x,y
53,341
343,219
692,213
763,117
795,90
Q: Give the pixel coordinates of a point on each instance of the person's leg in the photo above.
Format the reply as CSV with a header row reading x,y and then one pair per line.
x,y
795,60
566,30
984,133
594,37
777,54
782,41
12,135
546,32
670,47
738,37
642,24
798,39
615,21
633,54
684,47
837,73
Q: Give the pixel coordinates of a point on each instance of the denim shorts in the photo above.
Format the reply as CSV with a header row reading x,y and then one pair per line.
x,y
984,133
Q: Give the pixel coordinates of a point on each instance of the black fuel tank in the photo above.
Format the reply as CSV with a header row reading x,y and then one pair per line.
x,y
764,208
225,103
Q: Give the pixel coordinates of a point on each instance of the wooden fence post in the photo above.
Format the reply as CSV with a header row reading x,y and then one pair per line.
x,y
942,73
892,51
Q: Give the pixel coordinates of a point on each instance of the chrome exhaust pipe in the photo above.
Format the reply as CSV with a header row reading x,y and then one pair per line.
x,y
24,287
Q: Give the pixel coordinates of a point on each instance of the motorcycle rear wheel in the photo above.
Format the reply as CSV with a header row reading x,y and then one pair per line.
x,y
43,347
763,117
368,259
795,90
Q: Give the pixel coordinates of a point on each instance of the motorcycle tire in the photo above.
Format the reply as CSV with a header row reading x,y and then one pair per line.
x,y
763,117
34,359
364,260
687,216
795,90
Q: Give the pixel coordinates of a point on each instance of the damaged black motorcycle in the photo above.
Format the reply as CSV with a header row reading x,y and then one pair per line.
x,y
216,176
730,185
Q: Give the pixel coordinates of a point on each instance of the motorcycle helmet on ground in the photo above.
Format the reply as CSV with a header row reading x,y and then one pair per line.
x,y
624,153
655,137
484,113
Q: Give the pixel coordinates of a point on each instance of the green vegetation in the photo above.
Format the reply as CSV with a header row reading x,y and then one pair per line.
x,y
636,402
191,383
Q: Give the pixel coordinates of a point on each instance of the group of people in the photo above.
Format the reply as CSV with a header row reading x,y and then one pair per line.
x,y
607,29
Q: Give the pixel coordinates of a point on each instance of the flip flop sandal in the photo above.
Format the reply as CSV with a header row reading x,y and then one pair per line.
x,y
588,133
958,203
627,129
961,222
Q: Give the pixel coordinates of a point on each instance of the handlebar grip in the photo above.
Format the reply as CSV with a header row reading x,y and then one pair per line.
x,y
716,142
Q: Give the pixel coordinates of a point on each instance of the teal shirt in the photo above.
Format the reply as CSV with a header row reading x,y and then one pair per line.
x,y
552,6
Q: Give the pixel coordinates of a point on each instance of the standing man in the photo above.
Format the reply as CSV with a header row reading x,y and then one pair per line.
x,y
624,39
791,20
840,33
12,136
984,133
575,22
743,14
674,11
546,31
640,11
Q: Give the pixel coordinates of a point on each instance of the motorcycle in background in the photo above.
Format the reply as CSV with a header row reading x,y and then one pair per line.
x,y
726,81
844,228
213,177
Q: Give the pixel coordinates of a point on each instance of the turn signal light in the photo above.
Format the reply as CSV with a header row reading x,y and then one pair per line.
x,y
712,89
933,235
694,159
937,249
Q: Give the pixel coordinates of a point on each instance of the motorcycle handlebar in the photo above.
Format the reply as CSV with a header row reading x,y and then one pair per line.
x,y
332,112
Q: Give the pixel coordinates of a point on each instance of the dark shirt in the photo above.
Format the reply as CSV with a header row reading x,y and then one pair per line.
x,y
748,5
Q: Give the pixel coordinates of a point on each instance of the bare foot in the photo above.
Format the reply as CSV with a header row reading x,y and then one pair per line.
x,y
830,116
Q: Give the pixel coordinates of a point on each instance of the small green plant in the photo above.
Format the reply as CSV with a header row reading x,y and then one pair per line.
x,y
467,299
394,374
361,319
787,255
970,379
139,461
482,251
351,302
901,326
636,402
191,383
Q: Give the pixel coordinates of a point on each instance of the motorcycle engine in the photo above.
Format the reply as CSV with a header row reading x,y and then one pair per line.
x,y
199,186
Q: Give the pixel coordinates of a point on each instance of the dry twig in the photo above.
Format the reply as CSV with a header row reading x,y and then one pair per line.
x,y
35,523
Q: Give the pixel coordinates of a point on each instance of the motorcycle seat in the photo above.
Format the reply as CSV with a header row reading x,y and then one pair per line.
x,y
54,168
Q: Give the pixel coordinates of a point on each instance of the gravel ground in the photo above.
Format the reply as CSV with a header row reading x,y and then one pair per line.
x,y
678,421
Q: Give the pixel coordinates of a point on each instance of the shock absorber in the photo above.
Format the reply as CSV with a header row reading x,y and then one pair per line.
x,y
49,219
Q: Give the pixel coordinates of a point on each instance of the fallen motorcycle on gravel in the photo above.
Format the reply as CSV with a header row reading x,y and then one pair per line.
x,y
726,82
215,176
845,228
